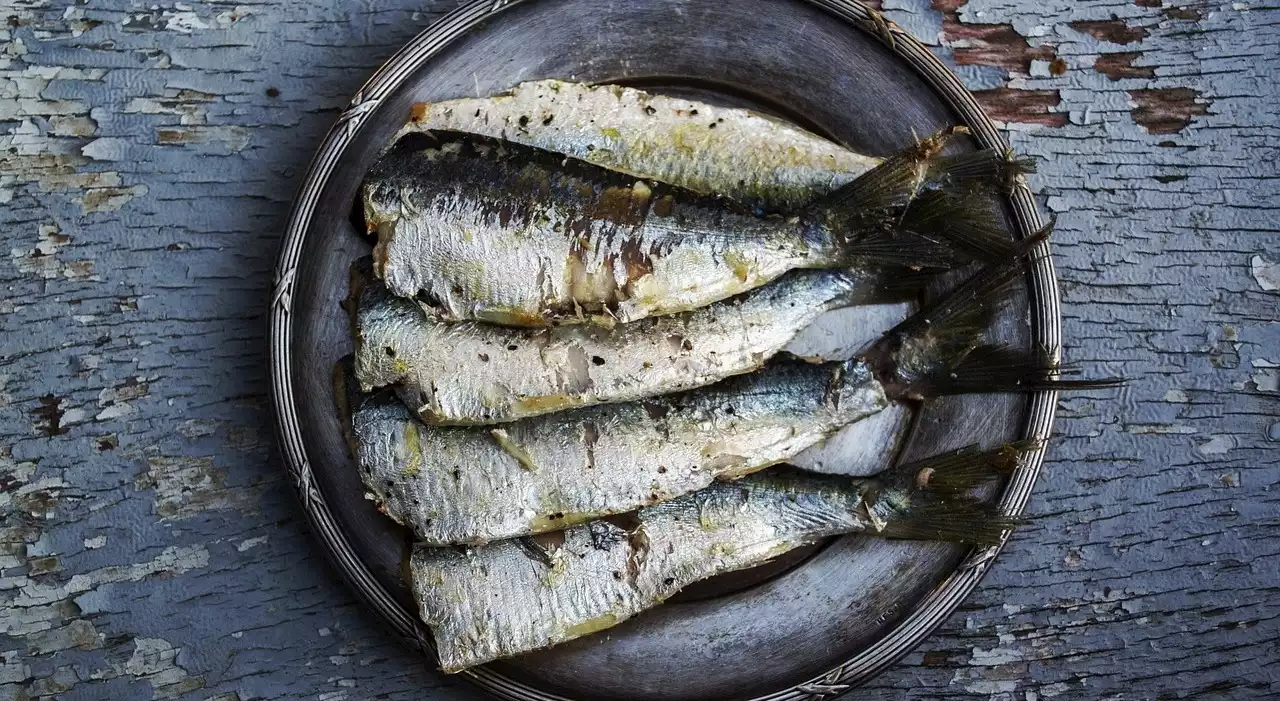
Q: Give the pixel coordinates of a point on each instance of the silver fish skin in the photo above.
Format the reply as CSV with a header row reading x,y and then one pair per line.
x,y
501,232
463,373
501,599
468,485
735,152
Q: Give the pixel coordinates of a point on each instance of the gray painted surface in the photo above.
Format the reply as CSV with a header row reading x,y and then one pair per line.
x,y
150,546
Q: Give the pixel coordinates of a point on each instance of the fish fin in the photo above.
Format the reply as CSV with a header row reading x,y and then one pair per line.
x,y
895,182
961,470
941,332
906,248
956,204
923,355
985,167
922,208
958,521
996,369
896,283
967,223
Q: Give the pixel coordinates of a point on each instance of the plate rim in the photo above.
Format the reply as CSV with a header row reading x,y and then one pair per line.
x,y
930,613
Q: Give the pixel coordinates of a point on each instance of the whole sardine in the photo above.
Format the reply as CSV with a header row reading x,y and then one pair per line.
x,y
462,373
758,160
515,596
497,231
472,485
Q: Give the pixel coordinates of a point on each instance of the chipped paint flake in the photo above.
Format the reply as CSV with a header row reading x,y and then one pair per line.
x,y
132,388
233,137
250,543
187,486
994,657
230,17
34,606
1115,31
155,660
197,428
43,260
105,149
14,673
1217,445
1267,377
1119,66
109,199
1266,273
115,411
78,634
1026,106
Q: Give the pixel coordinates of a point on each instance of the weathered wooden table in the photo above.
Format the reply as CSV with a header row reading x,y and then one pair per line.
x,y
151,546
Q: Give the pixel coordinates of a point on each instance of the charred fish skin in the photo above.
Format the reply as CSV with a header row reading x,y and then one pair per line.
x,y
466,373
468,485
750,157
498,600
501,232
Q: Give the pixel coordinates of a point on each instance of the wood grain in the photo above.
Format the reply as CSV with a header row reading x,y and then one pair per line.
x,y
150,546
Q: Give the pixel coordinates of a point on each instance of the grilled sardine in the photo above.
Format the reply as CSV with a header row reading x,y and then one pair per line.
x,y
515,596
460,373
761,161
497,231
473,485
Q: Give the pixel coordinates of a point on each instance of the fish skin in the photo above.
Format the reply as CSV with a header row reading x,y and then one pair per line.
x,y
506,233
500,600
461,373
469,485
747,156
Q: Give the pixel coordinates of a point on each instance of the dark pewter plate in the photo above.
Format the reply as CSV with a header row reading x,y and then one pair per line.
x,y
811,625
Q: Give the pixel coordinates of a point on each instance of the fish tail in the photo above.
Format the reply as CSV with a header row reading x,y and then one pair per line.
x,y
939,350
955,521
959,471
987,167
923,208
997,369
930,499
896,283
943,331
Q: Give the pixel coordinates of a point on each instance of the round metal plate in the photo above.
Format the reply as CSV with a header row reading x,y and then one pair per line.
x,y
810,627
